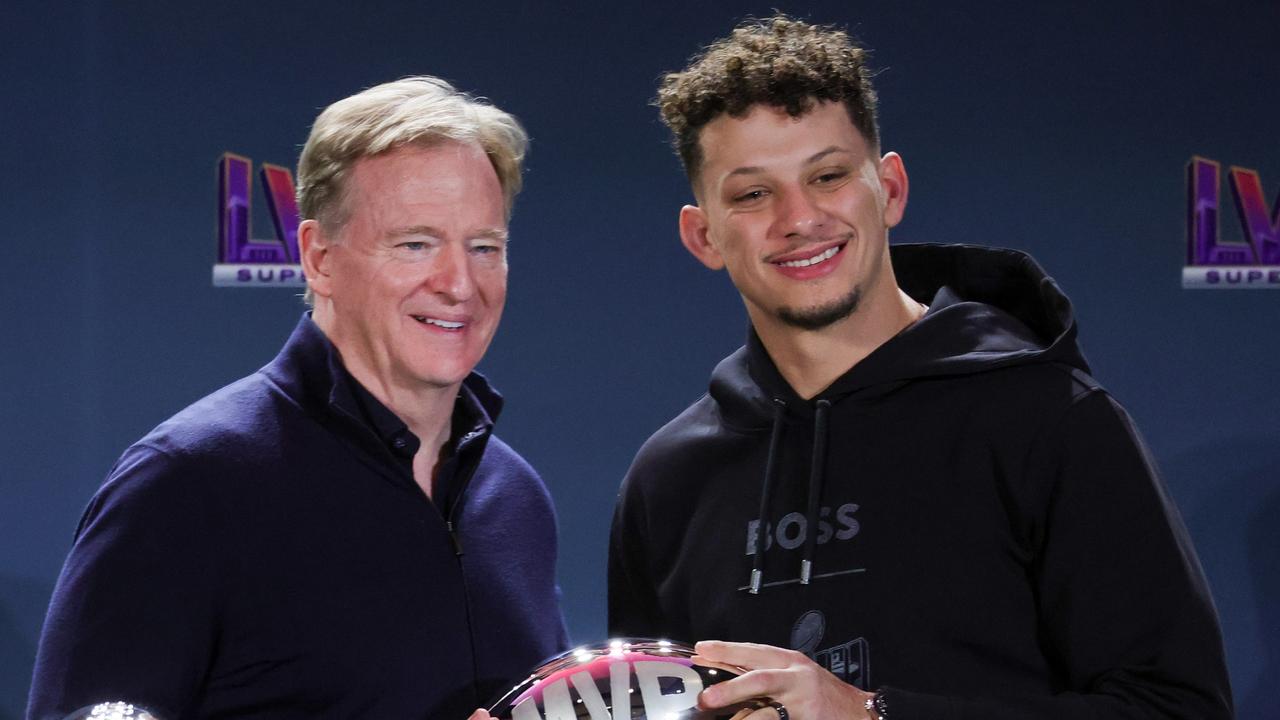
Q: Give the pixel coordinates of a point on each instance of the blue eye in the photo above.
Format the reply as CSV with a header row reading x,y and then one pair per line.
x,y
413,245
486,249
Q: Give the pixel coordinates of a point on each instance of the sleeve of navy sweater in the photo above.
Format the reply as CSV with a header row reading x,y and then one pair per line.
x,y
134,613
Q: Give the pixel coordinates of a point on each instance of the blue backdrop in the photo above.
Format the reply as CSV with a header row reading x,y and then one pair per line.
x,y
1060,128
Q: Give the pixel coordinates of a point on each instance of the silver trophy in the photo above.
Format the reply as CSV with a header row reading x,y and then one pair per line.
x,y
629,679
116,710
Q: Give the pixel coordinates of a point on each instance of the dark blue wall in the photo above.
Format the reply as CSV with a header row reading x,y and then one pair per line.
x,y
1062,129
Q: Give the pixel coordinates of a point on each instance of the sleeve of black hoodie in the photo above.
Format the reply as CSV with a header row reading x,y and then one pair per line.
x,y
1125,612
633,606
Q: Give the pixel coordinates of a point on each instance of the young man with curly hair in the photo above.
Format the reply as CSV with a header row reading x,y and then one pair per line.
x,y
905,497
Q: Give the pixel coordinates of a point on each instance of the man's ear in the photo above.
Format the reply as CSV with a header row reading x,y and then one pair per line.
x,y
313,247
694,235
893,179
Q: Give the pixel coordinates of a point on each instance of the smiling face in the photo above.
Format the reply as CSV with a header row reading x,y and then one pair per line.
x,y
798,211
412,287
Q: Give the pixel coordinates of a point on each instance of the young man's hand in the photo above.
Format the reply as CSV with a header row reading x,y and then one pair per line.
x,y
806,690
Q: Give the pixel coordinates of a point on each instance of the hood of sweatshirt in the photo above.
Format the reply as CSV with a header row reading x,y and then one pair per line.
x,y
989,308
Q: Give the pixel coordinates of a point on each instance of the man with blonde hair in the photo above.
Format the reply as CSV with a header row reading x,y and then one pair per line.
x,y
339,534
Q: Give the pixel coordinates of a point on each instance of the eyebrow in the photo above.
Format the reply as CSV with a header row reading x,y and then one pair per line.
x,y
429,231
753,169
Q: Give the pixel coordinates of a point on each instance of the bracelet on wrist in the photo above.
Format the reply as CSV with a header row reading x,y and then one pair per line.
x,y
877,707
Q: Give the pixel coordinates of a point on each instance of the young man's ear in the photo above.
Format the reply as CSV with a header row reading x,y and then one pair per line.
x,y
694,235
893,179
313,248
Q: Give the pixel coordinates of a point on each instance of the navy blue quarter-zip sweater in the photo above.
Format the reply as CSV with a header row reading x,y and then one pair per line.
x,y
265,553
965,520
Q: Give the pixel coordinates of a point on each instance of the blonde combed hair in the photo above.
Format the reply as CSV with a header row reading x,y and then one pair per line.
x,y
419,110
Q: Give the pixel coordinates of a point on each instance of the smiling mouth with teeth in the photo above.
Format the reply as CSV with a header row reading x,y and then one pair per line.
x,y
820,257
447,325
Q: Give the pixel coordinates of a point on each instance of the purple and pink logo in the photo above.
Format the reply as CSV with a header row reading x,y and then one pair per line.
x,y
1213,262
243,261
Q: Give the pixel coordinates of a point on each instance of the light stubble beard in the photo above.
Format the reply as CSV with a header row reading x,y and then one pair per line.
x,y
817,318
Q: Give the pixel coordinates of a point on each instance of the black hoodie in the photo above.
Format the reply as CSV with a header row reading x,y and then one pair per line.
x,y
991,538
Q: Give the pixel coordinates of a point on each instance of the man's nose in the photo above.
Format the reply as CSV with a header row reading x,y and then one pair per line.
x,y
799,214
450,274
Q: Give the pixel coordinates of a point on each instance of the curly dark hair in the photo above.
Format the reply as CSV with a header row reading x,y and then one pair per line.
x,y
778,61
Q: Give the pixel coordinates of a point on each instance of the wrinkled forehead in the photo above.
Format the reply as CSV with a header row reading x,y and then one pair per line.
x,y
452,188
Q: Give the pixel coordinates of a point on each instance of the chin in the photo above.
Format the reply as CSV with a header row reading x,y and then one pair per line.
x,y
819,316
439,376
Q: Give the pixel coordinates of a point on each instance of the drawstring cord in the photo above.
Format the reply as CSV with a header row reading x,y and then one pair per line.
x,y
770,469
816,475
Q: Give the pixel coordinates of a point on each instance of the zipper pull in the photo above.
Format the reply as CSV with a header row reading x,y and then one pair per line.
x,y
453,535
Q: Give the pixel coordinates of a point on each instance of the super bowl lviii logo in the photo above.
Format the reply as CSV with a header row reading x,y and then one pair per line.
x,y
242,260
1214,262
